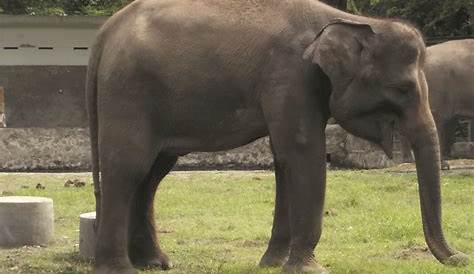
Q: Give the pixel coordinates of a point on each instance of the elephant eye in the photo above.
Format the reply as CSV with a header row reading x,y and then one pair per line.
x,y
405,89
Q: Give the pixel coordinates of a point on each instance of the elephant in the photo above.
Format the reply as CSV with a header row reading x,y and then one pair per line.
x,y
449,71
166,78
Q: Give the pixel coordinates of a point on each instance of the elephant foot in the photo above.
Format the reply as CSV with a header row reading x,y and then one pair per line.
x,y
106,269
145,256
445,165
306,264
160,261
274,258
458,259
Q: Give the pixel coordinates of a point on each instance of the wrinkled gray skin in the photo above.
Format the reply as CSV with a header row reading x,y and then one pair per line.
x,y
449,72
169,77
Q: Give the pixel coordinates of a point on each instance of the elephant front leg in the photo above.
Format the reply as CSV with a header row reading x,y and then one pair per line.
x,y
296,116
307,172
300,155
279,245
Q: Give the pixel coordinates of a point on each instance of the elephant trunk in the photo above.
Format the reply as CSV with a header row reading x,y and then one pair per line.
x,y
423,137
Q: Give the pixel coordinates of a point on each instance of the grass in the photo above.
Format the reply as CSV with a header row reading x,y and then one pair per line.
x,y
219,222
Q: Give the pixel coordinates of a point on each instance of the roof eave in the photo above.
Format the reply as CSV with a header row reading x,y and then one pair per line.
x,y
21,21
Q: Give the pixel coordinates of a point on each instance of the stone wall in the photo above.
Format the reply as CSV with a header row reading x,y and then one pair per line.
x,y
40,149
349,151
36,149
463,150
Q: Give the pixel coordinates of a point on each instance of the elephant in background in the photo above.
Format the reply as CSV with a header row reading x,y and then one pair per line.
x,y
449,72
167,78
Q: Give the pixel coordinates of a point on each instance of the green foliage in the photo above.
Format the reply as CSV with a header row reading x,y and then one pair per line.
x,y
434,18
220,222
62,7
340,4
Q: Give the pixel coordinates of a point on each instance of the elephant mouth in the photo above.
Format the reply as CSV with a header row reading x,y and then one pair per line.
x,y
387,129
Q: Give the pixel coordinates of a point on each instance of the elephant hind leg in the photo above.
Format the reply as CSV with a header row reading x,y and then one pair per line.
x,y
450,138
125,163
405,147
144,248
446,132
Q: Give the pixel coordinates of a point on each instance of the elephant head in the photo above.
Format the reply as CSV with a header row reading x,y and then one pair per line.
x,y
377,85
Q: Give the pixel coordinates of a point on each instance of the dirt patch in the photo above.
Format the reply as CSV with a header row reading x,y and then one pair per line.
x,y
74,183
414,253
165,231
252,243
462,164
455,166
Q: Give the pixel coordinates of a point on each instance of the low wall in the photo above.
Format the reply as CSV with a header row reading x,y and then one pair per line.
x,y
349,151
463,150
35,149
41,149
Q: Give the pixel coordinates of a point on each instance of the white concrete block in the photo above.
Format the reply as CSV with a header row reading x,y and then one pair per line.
x,y
87,235
26,220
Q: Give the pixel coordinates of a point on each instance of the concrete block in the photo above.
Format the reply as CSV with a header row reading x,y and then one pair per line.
x,y
87,235
26,220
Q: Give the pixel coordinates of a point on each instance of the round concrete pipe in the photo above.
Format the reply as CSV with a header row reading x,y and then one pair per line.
x,y
26,220
87,235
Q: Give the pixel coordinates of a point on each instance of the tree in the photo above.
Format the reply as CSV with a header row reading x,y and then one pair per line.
x,y
434,18
340,4
62,7
13,6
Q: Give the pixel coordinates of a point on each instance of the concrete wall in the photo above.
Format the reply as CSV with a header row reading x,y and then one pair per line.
x,y
44,96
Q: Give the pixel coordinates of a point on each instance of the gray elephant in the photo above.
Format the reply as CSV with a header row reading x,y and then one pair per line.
x,y
449,72
167,78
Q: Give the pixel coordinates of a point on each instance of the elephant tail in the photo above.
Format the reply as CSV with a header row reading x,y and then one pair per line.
x,y
91,102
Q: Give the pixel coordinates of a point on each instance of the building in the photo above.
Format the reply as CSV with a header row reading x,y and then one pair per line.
x,y
42,69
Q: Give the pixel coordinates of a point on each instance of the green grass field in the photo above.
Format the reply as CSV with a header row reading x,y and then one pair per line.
x,y
219,222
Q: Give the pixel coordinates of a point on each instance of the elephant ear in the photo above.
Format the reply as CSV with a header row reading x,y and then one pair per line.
x,y
337,49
